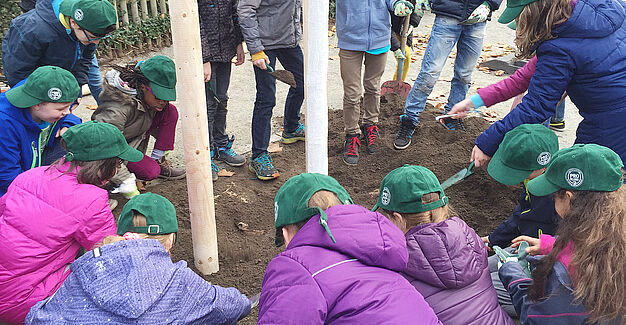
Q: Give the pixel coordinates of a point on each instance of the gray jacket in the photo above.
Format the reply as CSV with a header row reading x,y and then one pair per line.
x,y
270,24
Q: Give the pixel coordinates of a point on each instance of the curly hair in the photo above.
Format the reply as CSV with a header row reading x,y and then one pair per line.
x,y
131,73
536,22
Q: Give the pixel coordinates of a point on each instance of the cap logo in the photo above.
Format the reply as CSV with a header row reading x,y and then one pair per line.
x,y
78,14
544,158
574,177
275,211
55,93
386,197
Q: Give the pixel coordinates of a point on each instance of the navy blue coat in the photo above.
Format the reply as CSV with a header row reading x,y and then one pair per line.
x,y
19,140
460,9
588,60
38,38
533,213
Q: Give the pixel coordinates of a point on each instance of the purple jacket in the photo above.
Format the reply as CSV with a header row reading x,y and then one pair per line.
x,y
353,281
448,266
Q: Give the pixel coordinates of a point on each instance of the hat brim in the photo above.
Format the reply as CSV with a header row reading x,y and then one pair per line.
x,y
541,186
505,174
162,93
19,98
510,13
131,154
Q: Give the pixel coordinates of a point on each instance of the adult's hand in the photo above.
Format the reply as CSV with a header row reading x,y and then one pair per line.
x,y
207,71
480,14
241,57
259,60
420,6
461,108
534,247
402,8
399,55
479,157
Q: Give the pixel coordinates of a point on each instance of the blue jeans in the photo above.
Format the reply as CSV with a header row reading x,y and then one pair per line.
x,y
95,79
292,60
559,115
445,34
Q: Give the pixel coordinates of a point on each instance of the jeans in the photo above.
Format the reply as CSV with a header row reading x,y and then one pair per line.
x,y
444,35
216,114
292,59
559,115
95,79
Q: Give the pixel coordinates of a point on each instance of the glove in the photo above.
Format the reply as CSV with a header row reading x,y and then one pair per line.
x,y
398,54
420,6
258,55
402,8
519,257
409,31
128,187
480,14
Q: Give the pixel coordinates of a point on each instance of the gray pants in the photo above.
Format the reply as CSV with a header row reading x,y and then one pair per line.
x,y
504,298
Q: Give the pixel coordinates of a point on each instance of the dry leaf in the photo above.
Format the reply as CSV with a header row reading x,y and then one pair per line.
x,y
246,228
274,147
141,185
333,57
439,106
91,107
334,29
225,173
499,72
374,193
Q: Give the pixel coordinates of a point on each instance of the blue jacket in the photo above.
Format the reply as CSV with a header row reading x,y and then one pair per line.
x,y
533,213
587,59
135,282
38,38
363,25
461,9
19,140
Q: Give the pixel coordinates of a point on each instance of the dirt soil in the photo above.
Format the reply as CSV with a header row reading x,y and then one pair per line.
x,y
244,255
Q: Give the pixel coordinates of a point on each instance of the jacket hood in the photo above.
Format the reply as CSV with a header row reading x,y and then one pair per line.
x,y
22,115
48,10
120,280
593,19
448,254
118,97
362,234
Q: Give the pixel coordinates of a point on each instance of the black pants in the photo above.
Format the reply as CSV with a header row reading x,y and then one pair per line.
x,y
220,80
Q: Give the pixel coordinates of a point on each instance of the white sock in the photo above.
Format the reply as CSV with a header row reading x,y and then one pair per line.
x,y
157,154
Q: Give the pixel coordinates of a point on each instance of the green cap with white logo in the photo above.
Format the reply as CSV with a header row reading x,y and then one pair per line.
x,y
582,167
95,16
523,150
159,212
402,190
45,84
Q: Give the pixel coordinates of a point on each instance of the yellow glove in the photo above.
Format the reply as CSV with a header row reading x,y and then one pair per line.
x,y
258,56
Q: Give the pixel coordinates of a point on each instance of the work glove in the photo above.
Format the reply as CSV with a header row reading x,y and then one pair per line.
x,y
128,188
402,8
409,31
420,6
479,14
519,257
399,55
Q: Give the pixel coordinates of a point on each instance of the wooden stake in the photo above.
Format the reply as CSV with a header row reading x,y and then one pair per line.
x,y
144,17
155,12
190,89
124,10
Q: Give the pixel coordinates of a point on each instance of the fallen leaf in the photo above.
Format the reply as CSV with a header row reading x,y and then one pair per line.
x,y
274,147
499,72
225,173
374,193
439,106
246,228
333,57
91,107
141,185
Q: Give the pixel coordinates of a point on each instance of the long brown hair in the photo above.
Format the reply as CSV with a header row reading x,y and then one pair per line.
x,y
96,172
596,225
322,199
536,22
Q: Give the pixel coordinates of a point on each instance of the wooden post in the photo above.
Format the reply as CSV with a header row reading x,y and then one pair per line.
x,y
124,10
315,81
190,76
144,16
117,21
134,11
163,6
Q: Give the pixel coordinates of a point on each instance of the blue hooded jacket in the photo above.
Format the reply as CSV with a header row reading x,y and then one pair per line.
x,y
588,60
363,25
38,38
19,140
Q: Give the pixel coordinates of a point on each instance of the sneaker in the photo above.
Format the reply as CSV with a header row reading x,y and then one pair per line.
x,y
112,204
293,137
229,156
214,170
557,125
262,167
169,172
452,124
370,133
351,149
403,136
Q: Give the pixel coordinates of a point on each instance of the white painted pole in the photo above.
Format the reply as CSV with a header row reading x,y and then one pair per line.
x,y
315,74
192,103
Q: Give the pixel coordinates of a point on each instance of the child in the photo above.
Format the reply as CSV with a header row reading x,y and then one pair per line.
x,y
397,24
221,39
33,115
49,213
272,31
447,260
136,100
575,45
340,263
130,278
460,22
361,41
582,277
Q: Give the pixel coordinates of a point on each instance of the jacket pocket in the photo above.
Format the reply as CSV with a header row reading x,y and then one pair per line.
x,y
380,25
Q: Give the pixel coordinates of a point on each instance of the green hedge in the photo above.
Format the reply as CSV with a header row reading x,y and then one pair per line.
x,y
131,35
331,8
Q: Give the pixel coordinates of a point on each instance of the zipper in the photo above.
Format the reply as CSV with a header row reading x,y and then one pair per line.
x,y
35,155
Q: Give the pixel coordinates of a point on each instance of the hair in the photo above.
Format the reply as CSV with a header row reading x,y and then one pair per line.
x,y
322,199
96,172
139,220
435,215
536,22
132,74
596,226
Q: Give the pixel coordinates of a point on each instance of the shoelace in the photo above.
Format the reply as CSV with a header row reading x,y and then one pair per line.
x,y
229,152
265,161
215,167
352,146
405,129
372,133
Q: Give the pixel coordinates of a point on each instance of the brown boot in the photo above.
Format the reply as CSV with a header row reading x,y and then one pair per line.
x,y
169,172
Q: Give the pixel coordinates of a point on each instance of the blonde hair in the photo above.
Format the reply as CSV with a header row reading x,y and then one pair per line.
x,y
431,216
536,22
322,199
139,220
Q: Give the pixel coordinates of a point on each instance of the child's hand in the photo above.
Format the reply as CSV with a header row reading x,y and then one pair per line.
x,y
241,57
461,108
479,157
398,54
60,132
207,71
534,247
480,14
402,8
420,6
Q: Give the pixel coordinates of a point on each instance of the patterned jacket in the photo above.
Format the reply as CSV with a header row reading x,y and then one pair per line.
x,y
219,30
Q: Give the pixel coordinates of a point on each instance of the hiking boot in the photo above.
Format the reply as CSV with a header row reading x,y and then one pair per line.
x,y
403,136
262,167
229,156
112,204
351,149
169,172
293,137
557,125
452,124
370,133
214,170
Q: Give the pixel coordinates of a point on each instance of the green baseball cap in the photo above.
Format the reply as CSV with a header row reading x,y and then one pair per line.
x,y
45,84
513,9
402,190
523,150
292,201
582,167
96,16
95,140
161,72
159,212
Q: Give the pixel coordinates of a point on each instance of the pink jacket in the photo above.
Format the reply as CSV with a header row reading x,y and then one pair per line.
x,y
510,87
45,218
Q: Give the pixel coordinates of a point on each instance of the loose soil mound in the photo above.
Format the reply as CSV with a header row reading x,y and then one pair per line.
x,y
244,255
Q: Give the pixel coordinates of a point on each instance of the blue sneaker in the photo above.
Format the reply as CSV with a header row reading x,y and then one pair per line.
x,y
295,136
229,156
262,167
214,169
